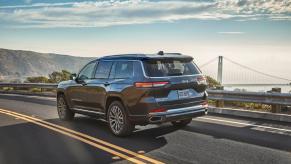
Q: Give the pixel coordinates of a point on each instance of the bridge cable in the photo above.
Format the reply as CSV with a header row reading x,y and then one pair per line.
x,y
207,63
259,72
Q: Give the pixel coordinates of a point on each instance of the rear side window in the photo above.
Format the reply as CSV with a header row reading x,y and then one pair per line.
x,y
122,70
170,67
103,70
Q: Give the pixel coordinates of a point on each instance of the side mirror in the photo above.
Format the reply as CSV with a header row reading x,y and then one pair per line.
x,y
73,76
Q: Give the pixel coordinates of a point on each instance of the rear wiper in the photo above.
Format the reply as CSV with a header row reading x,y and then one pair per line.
x,y
175,74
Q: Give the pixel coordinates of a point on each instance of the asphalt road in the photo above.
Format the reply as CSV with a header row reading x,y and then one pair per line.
x,y
30,132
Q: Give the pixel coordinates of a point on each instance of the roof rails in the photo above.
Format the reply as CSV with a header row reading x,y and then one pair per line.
x,y
162,53
173,53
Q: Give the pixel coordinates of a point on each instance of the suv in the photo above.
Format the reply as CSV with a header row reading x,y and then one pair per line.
x,y
135,89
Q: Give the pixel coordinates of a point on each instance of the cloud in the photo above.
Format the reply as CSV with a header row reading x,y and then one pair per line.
x,y
116,12
231,32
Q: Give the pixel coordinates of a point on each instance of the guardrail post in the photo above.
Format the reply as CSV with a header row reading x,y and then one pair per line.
x,y
275,108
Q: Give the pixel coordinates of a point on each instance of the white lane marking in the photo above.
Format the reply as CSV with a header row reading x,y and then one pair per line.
x,y
247,124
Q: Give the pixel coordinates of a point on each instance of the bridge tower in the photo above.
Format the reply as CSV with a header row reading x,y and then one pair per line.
x,y
219,72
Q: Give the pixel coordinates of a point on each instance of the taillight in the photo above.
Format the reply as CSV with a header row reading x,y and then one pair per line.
x,y
151,84
205,104
201,80
158,110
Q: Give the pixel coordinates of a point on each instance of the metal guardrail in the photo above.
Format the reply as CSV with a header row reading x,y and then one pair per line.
x,y
24,89
219,95
30,85
253,97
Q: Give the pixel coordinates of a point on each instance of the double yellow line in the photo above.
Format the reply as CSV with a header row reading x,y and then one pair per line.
x,y
95,142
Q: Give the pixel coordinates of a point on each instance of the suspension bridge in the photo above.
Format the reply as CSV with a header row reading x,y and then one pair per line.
x,y
231,73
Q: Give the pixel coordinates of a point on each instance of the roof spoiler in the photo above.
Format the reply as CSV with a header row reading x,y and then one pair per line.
x,y
161,53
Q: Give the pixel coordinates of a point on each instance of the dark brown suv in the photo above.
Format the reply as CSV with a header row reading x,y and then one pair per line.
x,y
136,89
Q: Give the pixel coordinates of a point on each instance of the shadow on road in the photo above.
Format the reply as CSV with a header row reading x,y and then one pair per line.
x,y
143,139
30,143
246,134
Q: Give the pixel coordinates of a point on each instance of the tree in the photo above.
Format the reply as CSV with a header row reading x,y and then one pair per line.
x,y
54,77
212,82
57,77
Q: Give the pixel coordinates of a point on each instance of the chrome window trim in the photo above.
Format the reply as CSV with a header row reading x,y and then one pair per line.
x,y
144,73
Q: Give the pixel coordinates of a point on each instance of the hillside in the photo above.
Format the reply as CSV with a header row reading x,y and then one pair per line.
x,y
18,64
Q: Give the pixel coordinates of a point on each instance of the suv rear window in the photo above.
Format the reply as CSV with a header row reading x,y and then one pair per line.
x,y
170,67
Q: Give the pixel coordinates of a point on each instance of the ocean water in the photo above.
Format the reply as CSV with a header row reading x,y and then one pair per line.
x,y
284,88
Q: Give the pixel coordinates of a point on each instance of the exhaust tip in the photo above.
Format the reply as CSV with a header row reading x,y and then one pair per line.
x,y
155,119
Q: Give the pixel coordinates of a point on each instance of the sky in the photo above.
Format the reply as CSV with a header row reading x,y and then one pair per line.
x,y
256,33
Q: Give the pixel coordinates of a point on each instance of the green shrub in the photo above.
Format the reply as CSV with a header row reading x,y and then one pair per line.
x,y
8,89
34,90
212,82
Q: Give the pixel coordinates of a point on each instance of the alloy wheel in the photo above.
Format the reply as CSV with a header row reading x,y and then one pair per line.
x,y
116,119
61,107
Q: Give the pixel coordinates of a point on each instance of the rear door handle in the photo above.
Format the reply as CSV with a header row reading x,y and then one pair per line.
x,y
106,84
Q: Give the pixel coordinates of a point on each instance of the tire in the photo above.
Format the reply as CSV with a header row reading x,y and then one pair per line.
x,y
118,121
182,123
64,111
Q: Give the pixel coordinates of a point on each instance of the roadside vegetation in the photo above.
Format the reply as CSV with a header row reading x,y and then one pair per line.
x,y
54,77
212,83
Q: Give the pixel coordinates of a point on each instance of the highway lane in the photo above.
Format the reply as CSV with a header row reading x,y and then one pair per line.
x,y
210,139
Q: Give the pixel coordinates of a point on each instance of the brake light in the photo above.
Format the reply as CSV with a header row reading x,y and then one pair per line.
x,y
158,110
201,80
150,84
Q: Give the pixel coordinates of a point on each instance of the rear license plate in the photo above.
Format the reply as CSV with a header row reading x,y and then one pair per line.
x,y
183,94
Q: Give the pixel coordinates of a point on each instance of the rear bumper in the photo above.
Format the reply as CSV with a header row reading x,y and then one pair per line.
x,y
177,114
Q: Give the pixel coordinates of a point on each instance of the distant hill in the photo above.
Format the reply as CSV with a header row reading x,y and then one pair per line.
x,y
18,64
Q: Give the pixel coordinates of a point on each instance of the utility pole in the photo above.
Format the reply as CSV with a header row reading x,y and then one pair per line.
x,y
219,72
